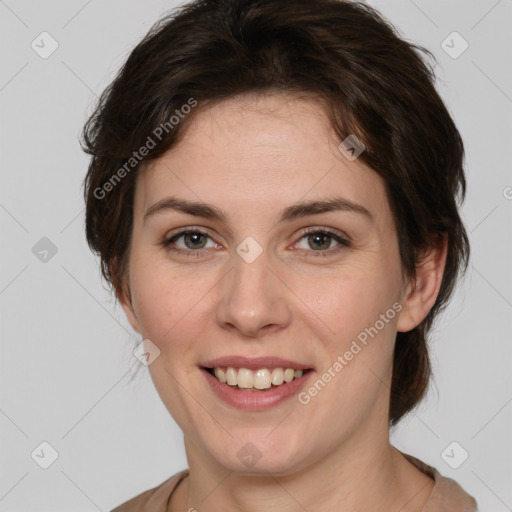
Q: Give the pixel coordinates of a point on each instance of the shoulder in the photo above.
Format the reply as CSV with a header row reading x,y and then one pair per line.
x,y
447,495
155,499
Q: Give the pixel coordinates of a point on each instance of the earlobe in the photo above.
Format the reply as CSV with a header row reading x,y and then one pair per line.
x,y
421,293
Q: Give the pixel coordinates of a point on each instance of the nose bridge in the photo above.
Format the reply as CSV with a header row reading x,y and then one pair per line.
x,y
252,296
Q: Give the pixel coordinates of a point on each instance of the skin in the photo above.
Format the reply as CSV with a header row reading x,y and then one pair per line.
x,y
253,156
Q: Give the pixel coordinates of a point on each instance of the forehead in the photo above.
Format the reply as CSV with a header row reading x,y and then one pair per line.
x,y
259,150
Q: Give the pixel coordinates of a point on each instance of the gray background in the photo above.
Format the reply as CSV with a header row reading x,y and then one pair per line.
x,y
66,361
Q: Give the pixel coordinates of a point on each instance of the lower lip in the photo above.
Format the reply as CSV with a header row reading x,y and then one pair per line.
x,y
255,400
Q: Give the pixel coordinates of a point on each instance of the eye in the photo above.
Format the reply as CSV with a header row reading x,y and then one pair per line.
x,y
320,240
194,242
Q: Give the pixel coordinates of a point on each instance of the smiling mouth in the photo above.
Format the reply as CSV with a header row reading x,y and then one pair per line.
x,y
262,379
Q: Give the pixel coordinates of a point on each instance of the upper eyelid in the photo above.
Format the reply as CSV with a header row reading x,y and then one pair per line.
x,y
186,230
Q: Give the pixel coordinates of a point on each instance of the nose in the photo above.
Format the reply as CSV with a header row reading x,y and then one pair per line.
x,y
254,300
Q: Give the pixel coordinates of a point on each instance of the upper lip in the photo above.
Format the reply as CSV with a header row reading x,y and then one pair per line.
x,y
255,363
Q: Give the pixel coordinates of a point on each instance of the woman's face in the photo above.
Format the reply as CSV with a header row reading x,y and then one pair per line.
x,y
255,284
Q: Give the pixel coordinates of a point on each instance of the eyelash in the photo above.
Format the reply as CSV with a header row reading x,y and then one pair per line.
x,y
166,243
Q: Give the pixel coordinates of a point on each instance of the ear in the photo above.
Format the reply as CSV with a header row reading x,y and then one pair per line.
x,y
421,293
123,295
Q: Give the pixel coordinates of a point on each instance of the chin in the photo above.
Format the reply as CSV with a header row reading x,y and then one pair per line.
x,y
259,455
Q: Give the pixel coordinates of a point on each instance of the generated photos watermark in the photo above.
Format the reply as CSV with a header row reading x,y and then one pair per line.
x,y
143,151
343,360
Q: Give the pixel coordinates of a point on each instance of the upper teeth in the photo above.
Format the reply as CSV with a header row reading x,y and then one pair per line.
x,y
259,379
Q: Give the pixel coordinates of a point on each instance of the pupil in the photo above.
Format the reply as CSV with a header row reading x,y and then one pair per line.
x,y
317,236
194,237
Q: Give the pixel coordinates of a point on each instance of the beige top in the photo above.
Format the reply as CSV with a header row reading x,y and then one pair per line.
x,y
446,496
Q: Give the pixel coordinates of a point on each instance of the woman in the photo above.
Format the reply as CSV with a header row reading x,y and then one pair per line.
x,y
273,192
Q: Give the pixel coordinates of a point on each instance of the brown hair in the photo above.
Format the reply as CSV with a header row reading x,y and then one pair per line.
x,y
373,84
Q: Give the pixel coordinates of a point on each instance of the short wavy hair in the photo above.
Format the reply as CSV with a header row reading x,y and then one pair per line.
x,y
373,84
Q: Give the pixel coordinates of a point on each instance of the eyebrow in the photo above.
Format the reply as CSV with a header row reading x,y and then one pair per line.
x,y
293,212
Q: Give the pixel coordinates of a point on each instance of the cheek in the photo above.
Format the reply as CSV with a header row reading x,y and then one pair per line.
x,y
350,300
160,298
356,314
173,306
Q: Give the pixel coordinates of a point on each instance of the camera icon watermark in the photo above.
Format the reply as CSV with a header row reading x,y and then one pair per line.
x,y
249,249
454,45
351,147
454,455
249,454
44,455
146,352
44,250
44,45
